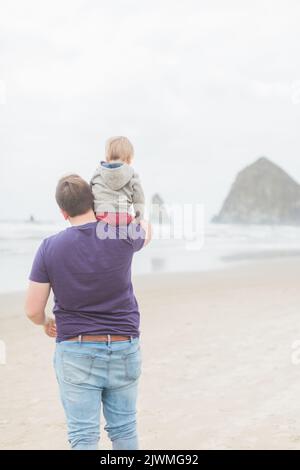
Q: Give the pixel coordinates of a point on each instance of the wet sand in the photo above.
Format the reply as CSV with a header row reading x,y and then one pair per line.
x,y
217,363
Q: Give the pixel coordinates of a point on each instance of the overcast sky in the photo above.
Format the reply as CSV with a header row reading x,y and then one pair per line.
x,y
201,88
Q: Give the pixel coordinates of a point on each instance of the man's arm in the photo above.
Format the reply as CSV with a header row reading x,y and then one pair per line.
x,y
38,293
35,304
36,301
148,231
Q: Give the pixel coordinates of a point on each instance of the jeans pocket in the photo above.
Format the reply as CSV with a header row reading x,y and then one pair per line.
x,y
133,364
76,368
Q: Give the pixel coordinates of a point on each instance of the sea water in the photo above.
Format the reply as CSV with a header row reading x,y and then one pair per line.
x,y
216,247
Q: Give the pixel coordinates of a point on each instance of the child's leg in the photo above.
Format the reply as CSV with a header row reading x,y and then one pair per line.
x,y
115,218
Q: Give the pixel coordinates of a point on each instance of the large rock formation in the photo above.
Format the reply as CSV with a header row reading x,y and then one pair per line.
x,y
263,193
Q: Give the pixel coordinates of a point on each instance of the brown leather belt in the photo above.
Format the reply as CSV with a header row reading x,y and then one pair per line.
x,y
96,338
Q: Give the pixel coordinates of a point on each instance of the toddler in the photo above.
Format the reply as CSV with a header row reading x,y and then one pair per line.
x,y
116,186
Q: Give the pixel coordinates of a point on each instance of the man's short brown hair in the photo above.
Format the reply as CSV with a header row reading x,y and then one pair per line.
x,y
74,195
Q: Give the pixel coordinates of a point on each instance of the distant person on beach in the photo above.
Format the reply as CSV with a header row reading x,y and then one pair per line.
x,y
116,186
98,353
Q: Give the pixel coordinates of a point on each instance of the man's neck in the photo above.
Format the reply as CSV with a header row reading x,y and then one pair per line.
x,y
83,219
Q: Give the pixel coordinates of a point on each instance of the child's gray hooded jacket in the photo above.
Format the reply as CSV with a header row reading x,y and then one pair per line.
x,y
116,187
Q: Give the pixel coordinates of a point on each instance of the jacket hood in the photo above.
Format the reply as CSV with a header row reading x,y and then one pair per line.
x,y
116,177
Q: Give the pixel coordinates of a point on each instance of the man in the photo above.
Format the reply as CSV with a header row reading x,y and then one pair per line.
x,y
98,357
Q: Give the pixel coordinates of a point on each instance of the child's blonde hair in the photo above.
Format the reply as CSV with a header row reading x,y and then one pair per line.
x,y
119,148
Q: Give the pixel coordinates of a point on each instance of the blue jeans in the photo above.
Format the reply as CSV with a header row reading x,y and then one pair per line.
x,y
91,373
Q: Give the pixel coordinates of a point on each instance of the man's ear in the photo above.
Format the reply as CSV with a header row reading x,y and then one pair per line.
x,y
65,215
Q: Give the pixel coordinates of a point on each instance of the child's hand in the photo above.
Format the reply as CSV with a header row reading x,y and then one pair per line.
x,y
50,327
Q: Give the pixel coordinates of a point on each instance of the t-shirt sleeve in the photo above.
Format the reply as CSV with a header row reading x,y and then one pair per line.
x,y
137,236
38,271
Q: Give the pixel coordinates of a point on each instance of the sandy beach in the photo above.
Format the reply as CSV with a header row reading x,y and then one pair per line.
x,y
217,363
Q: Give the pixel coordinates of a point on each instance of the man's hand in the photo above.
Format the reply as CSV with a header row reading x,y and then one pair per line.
x,y
50,327
148,229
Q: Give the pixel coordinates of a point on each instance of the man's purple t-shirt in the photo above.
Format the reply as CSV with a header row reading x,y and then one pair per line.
x,y
91,278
